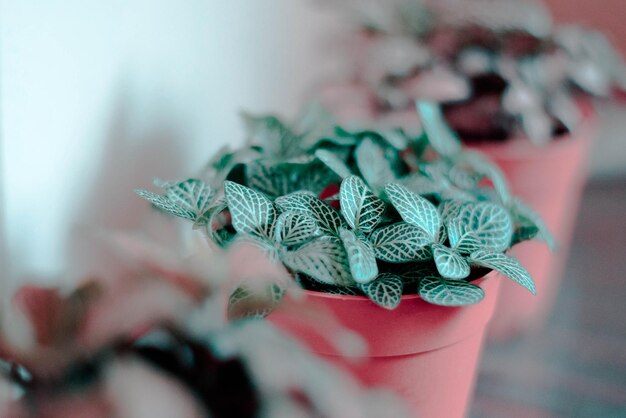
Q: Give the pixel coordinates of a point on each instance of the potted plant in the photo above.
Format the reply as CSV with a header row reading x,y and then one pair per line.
x,y
402,237
513,86
152,343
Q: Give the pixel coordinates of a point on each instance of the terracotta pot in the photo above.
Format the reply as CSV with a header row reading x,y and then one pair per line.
x,y
550,179
425,353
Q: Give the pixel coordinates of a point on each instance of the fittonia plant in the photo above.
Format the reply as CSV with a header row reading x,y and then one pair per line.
x,y
500,68
364,213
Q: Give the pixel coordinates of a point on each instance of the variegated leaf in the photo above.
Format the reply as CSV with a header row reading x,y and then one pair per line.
x,y
488,223
328,219
385,291
166,205
252,212
268,178
361,209
331,161
272,134
506,265
462,241
414,209
450,264
360,257
450,209
323,259
296,202
374,167
440,136
293,228
420,184
189,199
192,194
443,292
399,243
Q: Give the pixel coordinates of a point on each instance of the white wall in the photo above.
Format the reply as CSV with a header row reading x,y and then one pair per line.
x,y
98,97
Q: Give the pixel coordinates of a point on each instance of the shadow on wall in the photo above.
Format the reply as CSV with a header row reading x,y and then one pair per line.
x,y
127,161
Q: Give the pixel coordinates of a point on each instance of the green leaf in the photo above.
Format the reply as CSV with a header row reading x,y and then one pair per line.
x,y
385,291
267,178
443,292
506,265
360,257
333,162
399,243
420,184
440,136
374,167
323,259
395,137
487,223
296,202
188,199
273,135
328,219
361,209
450,209
414,209
484,166
293,228
527,217
462,241
252,212
450,264
282,178
165,205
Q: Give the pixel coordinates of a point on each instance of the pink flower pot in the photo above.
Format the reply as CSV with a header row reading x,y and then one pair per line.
x,y
550,179
425,353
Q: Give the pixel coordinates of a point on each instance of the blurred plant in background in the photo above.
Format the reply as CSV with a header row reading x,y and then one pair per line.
x,y
499,68
154,341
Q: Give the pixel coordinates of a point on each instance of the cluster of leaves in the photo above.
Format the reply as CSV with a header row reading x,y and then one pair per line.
x,y
388,214
536,71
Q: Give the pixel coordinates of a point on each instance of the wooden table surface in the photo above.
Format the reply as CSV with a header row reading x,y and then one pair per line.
x,y
576,365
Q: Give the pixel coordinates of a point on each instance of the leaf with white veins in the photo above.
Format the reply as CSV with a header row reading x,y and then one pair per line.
x,y
323,259
440,136
414,209
372,163
360,257
333,162
293,228
505,265
385,291
252,212
487,223
399,243
450,264
443,292
360,207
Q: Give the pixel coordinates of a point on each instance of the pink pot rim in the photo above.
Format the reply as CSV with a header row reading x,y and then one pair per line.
x,y
414,327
